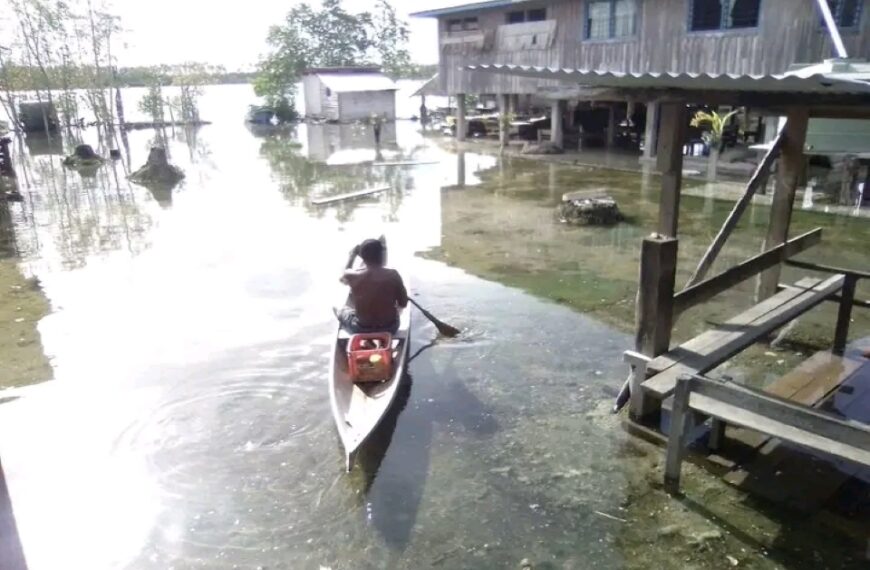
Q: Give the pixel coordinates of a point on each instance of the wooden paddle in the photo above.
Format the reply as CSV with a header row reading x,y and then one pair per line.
x,y
442,327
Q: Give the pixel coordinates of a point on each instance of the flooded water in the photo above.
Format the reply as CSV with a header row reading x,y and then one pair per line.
x,y
188,422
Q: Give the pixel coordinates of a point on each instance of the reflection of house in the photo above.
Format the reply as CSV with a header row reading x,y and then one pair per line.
x,y
326,143
348,93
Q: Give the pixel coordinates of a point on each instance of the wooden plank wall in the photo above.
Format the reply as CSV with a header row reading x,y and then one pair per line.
x,y
789,32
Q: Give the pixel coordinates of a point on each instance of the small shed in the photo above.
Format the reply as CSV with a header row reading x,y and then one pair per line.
x,y
348,93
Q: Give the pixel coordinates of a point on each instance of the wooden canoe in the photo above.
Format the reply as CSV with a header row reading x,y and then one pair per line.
x,y
359,408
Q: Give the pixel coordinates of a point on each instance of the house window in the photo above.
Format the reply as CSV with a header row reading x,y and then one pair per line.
x,y
606,19
532,15
462,25
706,15
470,24
847,13
536,15
328,92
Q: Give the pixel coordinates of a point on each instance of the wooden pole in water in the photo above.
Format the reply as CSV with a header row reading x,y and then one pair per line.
x,y
557,131
460,117
611,125
791,166
651,130
503,120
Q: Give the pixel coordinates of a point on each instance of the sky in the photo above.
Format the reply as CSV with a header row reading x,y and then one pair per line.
x,y
233,34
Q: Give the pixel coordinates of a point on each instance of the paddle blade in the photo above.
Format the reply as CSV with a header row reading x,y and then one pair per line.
x,y
443,328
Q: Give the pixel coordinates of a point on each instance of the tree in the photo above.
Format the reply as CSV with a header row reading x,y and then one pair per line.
x,y
392,39
329,37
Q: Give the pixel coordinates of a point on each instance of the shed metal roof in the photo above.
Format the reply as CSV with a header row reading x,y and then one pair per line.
x,y
430,87
472,7
809,80
349,82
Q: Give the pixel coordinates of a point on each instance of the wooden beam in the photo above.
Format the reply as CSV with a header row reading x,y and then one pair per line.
x,y
844,315
672,135
791,167
757,180
348,196
827,268
704,290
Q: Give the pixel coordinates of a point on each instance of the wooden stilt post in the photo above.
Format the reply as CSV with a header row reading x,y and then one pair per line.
x,y
611,125
651,131
844,316
461,129
504,104
672,136
791,165
734,217
654,309
557,130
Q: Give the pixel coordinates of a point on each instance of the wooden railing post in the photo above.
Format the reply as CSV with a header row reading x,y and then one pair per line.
x,y
654,310
676,438
844,315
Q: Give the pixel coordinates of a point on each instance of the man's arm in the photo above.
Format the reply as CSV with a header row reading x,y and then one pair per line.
x,y
402,295
353,253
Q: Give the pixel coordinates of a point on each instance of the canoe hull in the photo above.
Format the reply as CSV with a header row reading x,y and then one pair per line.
x,y
359,408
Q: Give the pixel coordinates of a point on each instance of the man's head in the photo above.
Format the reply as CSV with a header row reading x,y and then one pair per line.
x,y
372,252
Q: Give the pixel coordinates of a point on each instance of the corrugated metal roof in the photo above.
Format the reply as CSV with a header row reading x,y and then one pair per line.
x,y
472,7
349,82
806,81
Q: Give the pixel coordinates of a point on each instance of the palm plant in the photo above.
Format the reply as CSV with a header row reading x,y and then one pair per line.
x,y
717,124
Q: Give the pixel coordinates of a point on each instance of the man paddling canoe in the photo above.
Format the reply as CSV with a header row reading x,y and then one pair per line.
x,y
377,293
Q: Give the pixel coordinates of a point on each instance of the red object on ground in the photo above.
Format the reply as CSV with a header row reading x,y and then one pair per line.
x,y
369,357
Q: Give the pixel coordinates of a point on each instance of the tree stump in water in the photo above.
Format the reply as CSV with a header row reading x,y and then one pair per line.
x,y
157,170
83,157
589,210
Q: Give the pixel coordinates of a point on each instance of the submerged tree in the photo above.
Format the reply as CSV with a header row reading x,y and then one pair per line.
x,y
329,37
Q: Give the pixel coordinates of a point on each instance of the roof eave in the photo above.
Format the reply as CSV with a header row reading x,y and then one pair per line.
x,y
462,8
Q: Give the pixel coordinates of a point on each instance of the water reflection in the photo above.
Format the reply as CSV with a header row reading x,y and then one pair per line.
x,y
42,144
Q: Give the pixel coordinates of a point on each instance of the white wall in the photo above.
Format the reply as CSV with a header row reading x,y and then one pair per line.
x,y
311,87
360,105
